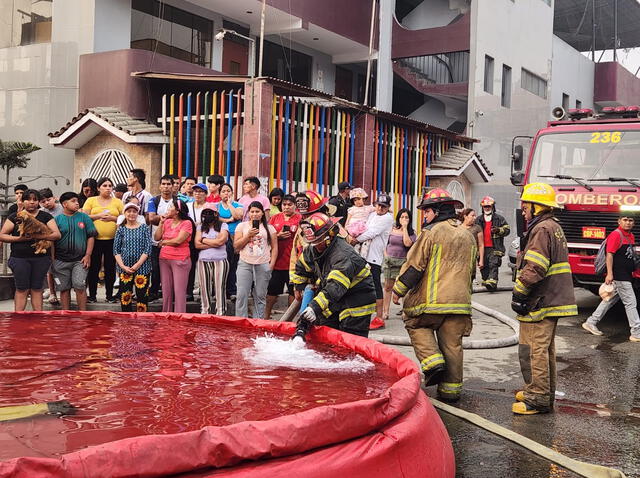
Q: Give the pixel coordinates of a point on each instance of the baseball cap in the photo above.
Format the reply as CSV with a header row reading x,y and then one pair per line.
x,y
201,186
131,205
344,185
384,200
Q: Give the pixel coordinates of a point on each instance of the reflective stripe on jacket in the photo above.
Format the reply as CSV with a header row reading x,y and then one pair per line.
x,y
344,277
436,278
544,274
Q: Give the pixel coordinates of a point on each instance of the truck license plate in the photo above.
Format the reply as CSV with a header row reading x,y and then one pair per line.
x,y
594,232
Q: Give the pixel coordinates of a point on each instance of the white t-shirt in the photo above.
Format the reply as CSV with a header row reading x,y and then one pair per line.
x,y
163,207
195,212
378,230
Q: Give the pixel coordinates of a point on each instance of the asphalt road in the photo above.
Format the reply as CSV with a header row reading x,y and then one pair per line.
x,y
597,416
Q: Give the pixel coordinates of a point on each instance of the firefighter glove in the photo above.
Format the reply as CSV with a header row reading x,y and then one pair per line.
x,y
309,315
519,304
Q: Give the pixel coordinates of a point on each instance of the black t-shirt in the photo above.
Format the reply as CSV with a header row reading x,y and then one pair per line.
x,y
23,249
13,209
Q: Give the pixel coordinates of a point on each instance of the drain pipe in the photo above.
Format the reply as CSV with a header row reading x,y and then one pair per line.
x,y
466,342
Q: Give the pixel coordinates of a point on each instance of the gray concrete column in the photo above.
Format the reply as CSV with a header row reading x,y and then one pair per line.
x,y
384,82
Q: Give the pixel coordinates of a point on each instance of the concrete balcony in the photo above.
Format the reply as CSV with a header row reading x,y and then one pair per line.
x,y
445,74
454,37
614,85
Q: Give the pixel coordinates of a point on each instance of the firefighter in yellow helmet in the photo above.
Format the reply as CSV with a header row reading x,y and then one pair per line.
x,y
436,284
542,293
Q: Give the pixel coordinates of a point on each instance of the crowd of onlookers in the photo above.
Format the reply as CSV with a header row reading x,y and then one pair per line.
x,y
192,239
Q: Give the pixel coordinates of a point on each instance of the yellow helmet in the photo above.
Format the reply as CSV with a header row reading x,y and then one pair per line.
x,y
539,193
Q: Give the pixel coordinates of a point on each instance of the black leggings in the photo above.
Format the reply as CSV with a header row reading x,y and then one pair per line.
x,y
102,248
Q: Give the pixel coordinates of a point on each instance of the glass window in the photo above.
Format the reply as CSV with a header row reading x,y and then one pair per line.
x,y
588,155
533,83
171,31
24,22
488,74
286,64
505,97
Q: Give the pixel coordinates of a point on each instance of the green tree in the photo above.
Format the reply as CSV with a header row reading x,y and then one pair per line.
x,y
13,154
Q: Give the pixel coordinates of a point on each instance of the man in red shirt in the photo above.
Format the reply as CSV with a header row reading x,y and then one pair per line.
x,y
286,225
620,271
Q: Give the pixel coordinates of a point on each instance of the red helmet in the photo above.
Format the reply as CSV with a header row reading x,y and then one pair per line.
x,y
487,201
316,227
438,196
314,202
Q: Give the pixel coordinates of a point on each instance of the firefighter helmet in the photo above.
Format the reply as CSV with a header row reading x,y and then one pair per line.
x,y
438,196
487,201
313,203
539,193
358,193
317,227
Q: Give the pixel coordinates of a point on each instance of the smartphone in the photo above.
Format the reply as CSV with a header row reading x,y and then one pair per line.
x,y
286,228
256,224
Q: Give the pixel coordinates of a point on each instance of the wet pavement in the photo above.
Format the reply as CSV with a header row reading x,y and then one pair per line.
x,y
596,420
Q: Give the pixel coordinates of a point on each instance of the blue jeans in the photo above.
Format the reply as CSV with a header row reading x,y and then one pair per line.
x,y
248,275
628,298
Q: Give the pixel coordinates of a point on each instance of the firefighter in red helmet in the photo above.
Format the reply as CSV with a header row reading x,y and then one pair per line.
x,y
494,230
435,282
345,296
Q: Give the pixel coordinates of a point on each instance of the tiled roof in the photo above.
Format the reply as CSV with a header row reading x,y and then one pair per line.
x,y
115,118
456,157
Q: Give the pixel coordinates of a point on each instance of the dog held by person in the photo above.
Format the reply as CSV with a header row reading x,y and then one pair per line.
x,y
29,226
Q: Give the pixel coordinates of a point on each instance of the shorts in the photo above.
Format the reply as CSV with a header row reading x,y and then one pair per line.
x,y
68,275
278,281
391,267
29,272
375,272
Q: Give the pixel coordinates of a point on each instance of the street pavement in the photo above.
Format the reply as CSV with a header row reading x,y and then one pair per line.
x,y
597,415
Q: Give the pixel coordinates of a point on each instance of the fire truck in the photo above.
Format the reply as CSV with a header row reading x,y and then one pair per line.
x,y
593,163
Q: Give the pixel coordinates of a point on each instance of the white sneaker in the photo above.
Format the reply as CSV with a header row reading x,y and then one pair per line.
x,y
592,329
634,338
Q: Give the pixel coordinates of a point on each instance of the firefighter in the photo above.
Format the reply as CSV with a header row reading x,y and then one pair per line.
x,y
307,203
436,284
494,230
346,296
542,293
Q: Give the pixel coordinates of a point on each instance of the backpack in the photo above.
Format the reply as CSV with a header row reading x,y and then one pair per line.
x,y
600,263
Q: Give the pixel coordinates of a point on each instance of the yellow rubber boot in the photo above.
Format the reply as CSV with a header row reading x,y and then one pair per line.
x,y
520,396
521,408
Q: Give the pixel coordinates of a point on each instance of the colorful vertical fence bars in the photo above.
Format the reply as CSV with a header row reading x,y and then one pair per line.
x,y
312,146
402,156
204,132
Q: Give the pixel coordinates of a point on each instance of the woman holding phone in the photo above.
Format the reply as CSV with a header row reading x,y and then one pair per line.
x,y
104,209
257,243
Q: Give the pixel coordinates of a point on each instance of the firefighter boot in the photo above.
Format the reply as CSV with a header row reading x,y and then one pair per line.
x,y
521,408
520,396
434,375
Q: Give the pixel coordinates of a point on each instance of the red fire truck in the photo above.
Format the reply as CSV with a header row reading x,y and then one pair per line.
x,y
593,163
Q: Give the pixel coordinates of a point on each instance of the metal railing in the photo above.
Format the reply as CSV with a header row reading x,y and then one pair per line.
x,y
440,69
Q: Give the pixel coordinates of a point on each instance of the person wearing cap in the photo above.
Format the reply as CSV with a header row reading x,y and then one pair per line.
x,y
195,209
435,282
130,200
73,251
307,203
621,270
131,249
494,230
345,296
377,230
136,184
342,202
542,293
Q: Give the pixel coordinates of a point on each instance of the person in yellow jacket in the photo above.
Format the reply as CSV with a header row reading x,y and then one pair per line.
x,y
542,293
435,282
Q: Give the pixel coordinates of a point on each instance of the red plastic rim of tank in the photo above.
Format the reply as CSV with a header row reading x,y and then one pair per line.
x,y
401,414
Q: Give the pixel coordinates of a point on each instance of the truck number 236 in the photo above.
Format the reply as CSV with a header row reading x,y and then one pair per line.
x,y
606,137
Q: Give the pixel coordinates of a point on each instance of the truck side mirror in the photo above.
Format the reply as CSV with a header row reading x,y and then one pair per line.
x,y
517,158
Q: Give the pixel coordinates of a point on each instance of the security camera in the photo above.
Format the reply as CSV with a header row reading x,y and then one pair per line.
x,y
479,113
220,35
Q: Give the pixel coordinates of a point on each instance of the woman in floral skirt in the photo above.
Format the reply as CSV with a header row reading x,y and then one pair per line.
x,y
131,248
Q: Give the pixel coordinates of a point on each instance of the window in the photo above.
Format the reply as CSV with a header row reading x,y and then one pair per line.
x,y
170,31
286,64
578,104
24,22
534,84
488,74
505,97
